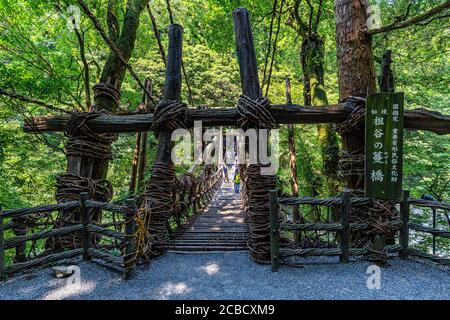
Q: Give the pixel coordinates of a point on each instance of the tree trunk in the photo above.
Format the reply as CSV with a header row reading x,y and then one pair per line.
x,y
312,60
355,68
113,73
386,80
114,69
293,163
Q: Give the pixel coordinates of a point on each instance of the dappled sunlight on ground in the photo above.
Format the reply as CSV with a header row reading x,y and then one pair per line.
x,y
170,289
68,290
211,268
233,275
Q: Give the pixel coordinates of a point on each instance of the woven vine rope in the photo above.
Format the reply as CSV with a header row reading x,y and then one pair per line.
x,y
186,187
356,117
255,113
70,186
258,211
83,141
159,203
169,115
107,90
351,164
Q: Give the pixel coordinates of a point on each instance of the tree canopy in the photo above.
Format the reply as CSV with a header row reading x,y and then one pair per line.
x,y
51,52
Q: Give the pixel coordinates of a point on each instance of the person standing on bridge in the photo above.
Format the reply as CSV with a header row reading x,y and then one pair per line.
x,y
237,182
225,173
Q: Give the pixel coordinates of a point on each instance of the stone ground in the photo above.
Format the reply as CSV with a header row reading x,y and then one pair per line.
x,y
233,275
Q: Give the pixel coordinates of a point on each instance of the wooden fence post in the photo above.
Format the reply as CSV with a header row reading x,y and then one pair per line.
x,y
345,221
85,220
20,229
274,231
2,241
130,229
434,227
404,231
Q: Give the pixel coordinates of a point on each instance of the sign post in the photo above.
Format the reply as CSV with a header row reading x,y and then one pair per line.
x,y
384,146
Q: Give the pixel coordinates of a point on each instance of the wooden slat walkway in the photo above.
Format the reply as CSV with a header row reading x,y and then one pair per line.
x,y
221,227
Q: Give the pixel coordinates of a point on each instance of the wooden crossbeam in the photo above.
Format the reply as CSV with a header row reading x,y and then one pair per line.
x,y
417,119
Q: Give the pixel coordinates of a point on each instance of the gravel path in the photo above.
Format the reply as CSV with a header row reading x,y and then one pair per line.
x,y
233,276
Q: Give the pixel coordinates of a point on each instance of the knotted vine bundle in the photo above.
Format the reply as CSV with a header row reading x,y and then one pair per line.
x,y
255,113
355,120
258,187
379,215
170,115
83,141
351,165
70,186
158,203
107,90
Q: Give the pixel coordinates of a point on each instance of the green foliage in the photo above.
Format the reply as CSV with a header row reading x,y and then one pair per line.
x,y
40,58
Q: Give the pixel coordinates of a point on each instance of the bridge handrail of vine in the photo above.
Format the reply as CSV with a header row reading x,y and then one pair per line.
x,y
112,241
283,248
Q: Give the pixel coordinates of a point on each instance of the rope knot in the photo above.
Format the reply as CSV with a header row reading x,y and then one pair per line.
x,y
69,187
83,141
129,210
356,107
107,90
255,113
145,108
351,165
169,115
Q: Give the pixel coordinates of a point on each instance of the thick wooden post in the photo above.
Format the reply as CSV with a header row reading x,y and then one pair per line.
x,y
161,204
345,221
20,229
404,231
130,229
274,231
85,220
172,87
258,208
2,242
246,54
434,227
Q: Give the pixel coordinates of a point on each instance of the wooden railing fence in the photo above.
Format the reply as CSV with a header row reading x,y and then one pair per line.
x,y
94,235
405,207
344,228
